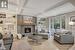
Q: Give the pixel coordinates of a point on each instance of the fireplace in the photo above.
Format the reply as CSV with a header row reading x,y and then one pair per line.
x,y
27,30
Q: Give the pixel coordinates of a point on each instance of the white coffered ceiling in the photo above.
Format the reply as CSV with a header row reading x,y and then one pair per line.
x,y
34,7
40,8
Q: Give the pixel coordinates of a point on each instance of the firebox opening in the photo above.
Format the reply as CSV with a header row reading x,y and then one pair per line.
x,y
27,30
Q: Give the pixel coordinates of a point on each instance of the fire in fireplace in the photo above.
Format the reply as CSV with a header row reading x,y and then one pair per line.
x,y
27,30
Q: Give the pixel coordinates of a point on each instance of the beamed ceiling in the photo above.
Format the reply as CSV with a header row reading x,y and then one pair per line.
x,y
40,8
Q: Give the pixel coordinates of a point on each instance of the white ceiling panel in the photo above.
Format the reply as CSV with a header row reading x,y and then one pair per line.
x,y
27,13
68,7
13,2
38,6
32,11
14,6
42,4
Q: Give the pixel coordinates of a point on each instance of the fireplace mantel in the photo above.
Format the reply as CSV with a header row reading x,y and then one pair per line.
x,y
26,20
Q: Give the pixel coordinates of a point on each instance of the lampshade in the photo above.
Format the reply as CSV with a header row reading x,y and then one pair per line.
x,y
71,23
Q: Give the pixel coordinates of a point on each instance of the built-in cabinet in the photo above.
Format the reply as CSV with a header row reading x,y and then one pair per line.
x,y
43,27
8,23
42,24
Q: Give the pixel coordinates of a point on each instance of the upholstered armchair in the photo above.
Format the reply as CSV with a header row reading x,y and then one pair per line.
x,y
8,40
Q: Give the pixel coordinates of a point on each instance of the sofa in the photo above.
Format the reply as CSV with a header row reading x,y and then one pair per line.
x,y
64,37
44,35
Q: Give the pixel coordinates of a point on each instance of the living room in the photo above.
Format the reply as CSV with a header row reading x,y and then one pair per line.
x,y
37,24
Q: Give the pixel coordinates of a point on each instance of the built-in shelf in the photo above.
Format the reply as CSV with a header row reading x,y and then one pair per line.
x,y
7,23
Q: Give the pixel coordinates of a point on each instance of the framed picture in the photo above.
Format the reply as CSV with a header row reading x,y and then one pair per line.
x,y
1,22
72,21
72,18
10,27
2,15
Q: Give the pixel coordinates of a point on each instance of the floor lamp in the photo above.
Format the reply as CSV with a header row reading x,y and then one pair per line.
x,y
72,25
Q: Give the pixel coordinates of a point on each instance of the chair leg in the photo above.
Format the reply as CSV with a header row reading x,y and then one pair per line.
x,y
10,46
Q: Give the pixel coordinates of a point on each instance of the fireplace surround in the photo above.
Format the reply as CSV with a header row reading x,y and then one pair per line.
x,y
26,29
26,24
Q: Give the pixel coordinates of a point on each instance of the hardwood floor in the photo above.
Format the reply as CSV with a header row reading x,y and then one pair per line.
x,y
49,44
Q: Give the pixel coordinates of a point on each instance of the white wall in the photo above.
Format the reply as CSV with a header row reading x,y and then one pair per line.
x,y
67,20
72,28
